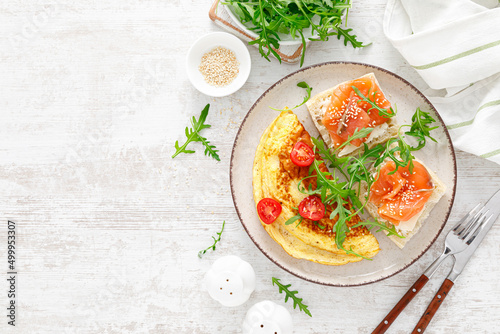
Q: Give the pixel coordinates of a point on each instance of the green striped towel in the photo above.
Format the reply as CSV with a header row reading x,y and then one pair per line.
x,y
455,46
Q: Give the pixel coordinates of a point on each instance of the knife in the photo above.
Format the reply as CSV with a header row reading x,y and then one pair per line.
x,y
492,208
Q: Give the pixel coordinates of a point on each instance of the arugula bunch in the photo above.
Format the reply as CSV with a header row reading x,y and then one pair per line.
x,y
193,135
291,17
338,189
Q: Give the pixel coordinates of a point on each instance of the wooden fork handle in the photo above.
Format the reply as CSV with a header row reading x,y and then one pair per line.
x,y
433,307
412,292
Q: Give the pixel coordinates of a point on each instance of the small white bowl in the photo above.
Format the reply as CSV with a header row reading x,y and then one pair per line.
x,y
206,44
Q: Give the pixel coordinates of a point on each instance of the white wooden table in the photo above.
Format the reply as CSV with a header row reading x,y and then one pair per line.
x,y
93,96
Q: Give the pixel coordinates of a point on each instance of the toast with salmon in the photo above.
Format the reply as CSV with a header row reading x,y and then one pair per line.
x,y
402,199
339,111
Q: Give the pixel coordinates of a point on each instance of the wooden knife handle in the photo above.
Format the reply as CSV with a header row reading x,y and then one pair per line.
x,y
412,292
433,307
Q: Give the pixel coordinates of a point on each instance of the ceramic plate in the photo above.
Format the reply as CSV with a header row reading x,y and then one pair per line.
x,y
439,157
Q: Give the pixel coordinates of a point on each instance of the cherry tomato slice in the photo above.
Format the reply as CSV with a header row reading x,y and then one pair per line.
x,y
268,210
312,208
302,155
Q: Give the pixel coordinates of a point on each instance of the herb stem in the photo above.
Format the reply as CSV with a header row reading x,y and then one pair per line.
x,y
212,247
181,149
291,294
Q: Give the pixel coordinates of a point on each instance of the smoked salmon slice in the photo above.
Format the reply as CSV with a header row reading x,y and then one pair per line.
x,y
348,112
401,195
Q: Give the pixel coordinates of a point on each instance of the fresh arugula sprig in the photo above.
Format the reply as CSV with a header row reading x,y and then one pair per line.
x,y
308,89
399,150
202,252
319,225
349,37
329,156
300,219
381,111
358,134
291,17
340,164
294,219
193,135
370,224
341,228
291,294
357,166
420,128
268,38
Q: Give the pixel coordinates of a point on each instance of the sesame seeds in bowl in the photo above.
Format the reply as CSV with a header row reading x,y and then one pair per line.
x,y
218,64
219,67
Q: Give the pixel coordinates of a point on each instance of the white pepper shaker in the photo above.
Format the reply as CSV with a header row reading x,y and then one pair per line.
x,y
230,281
267,317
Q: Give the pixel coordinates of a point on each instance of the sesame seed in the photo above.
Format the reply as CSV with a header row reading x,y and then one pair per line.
x,y
219,66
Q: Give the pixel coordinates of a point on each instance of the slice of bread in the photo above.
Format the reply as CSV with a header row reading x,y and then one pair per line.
x,y
317,106
438,192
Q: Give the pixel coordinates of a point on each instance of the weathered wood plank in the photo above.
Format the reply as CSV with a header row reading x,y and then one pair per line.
x,y
93,97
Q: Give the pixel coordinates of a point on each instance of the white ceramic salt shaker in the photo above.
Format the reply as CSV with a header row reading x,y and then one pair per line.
x,y
230,280
267,317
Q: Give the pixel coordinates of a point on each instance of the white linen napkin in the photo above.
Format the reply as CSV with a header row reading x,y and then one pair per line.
x,y
455,46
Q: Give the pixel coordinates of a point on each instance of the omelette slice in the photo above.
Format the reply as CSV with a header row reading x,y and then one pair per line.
x,y
276,176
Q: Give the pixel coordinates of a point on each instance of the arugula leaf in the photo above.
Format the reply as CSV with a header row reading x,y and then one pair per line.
x,y
399,150
291,294
400,153
341,229
420,128
357,167
293,219
319,225
210,150
304,47
328,3
358,134
348,37
308,89
323,180
381,227
326,154
202,252
193,135
381,111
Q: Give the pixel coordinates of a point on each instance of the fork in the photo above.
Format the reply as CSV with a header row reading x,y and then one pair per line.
x,y
457,240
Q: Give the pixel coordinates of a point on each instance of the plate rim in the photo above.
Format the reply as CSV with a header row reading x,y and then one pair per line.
x,y
450,142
